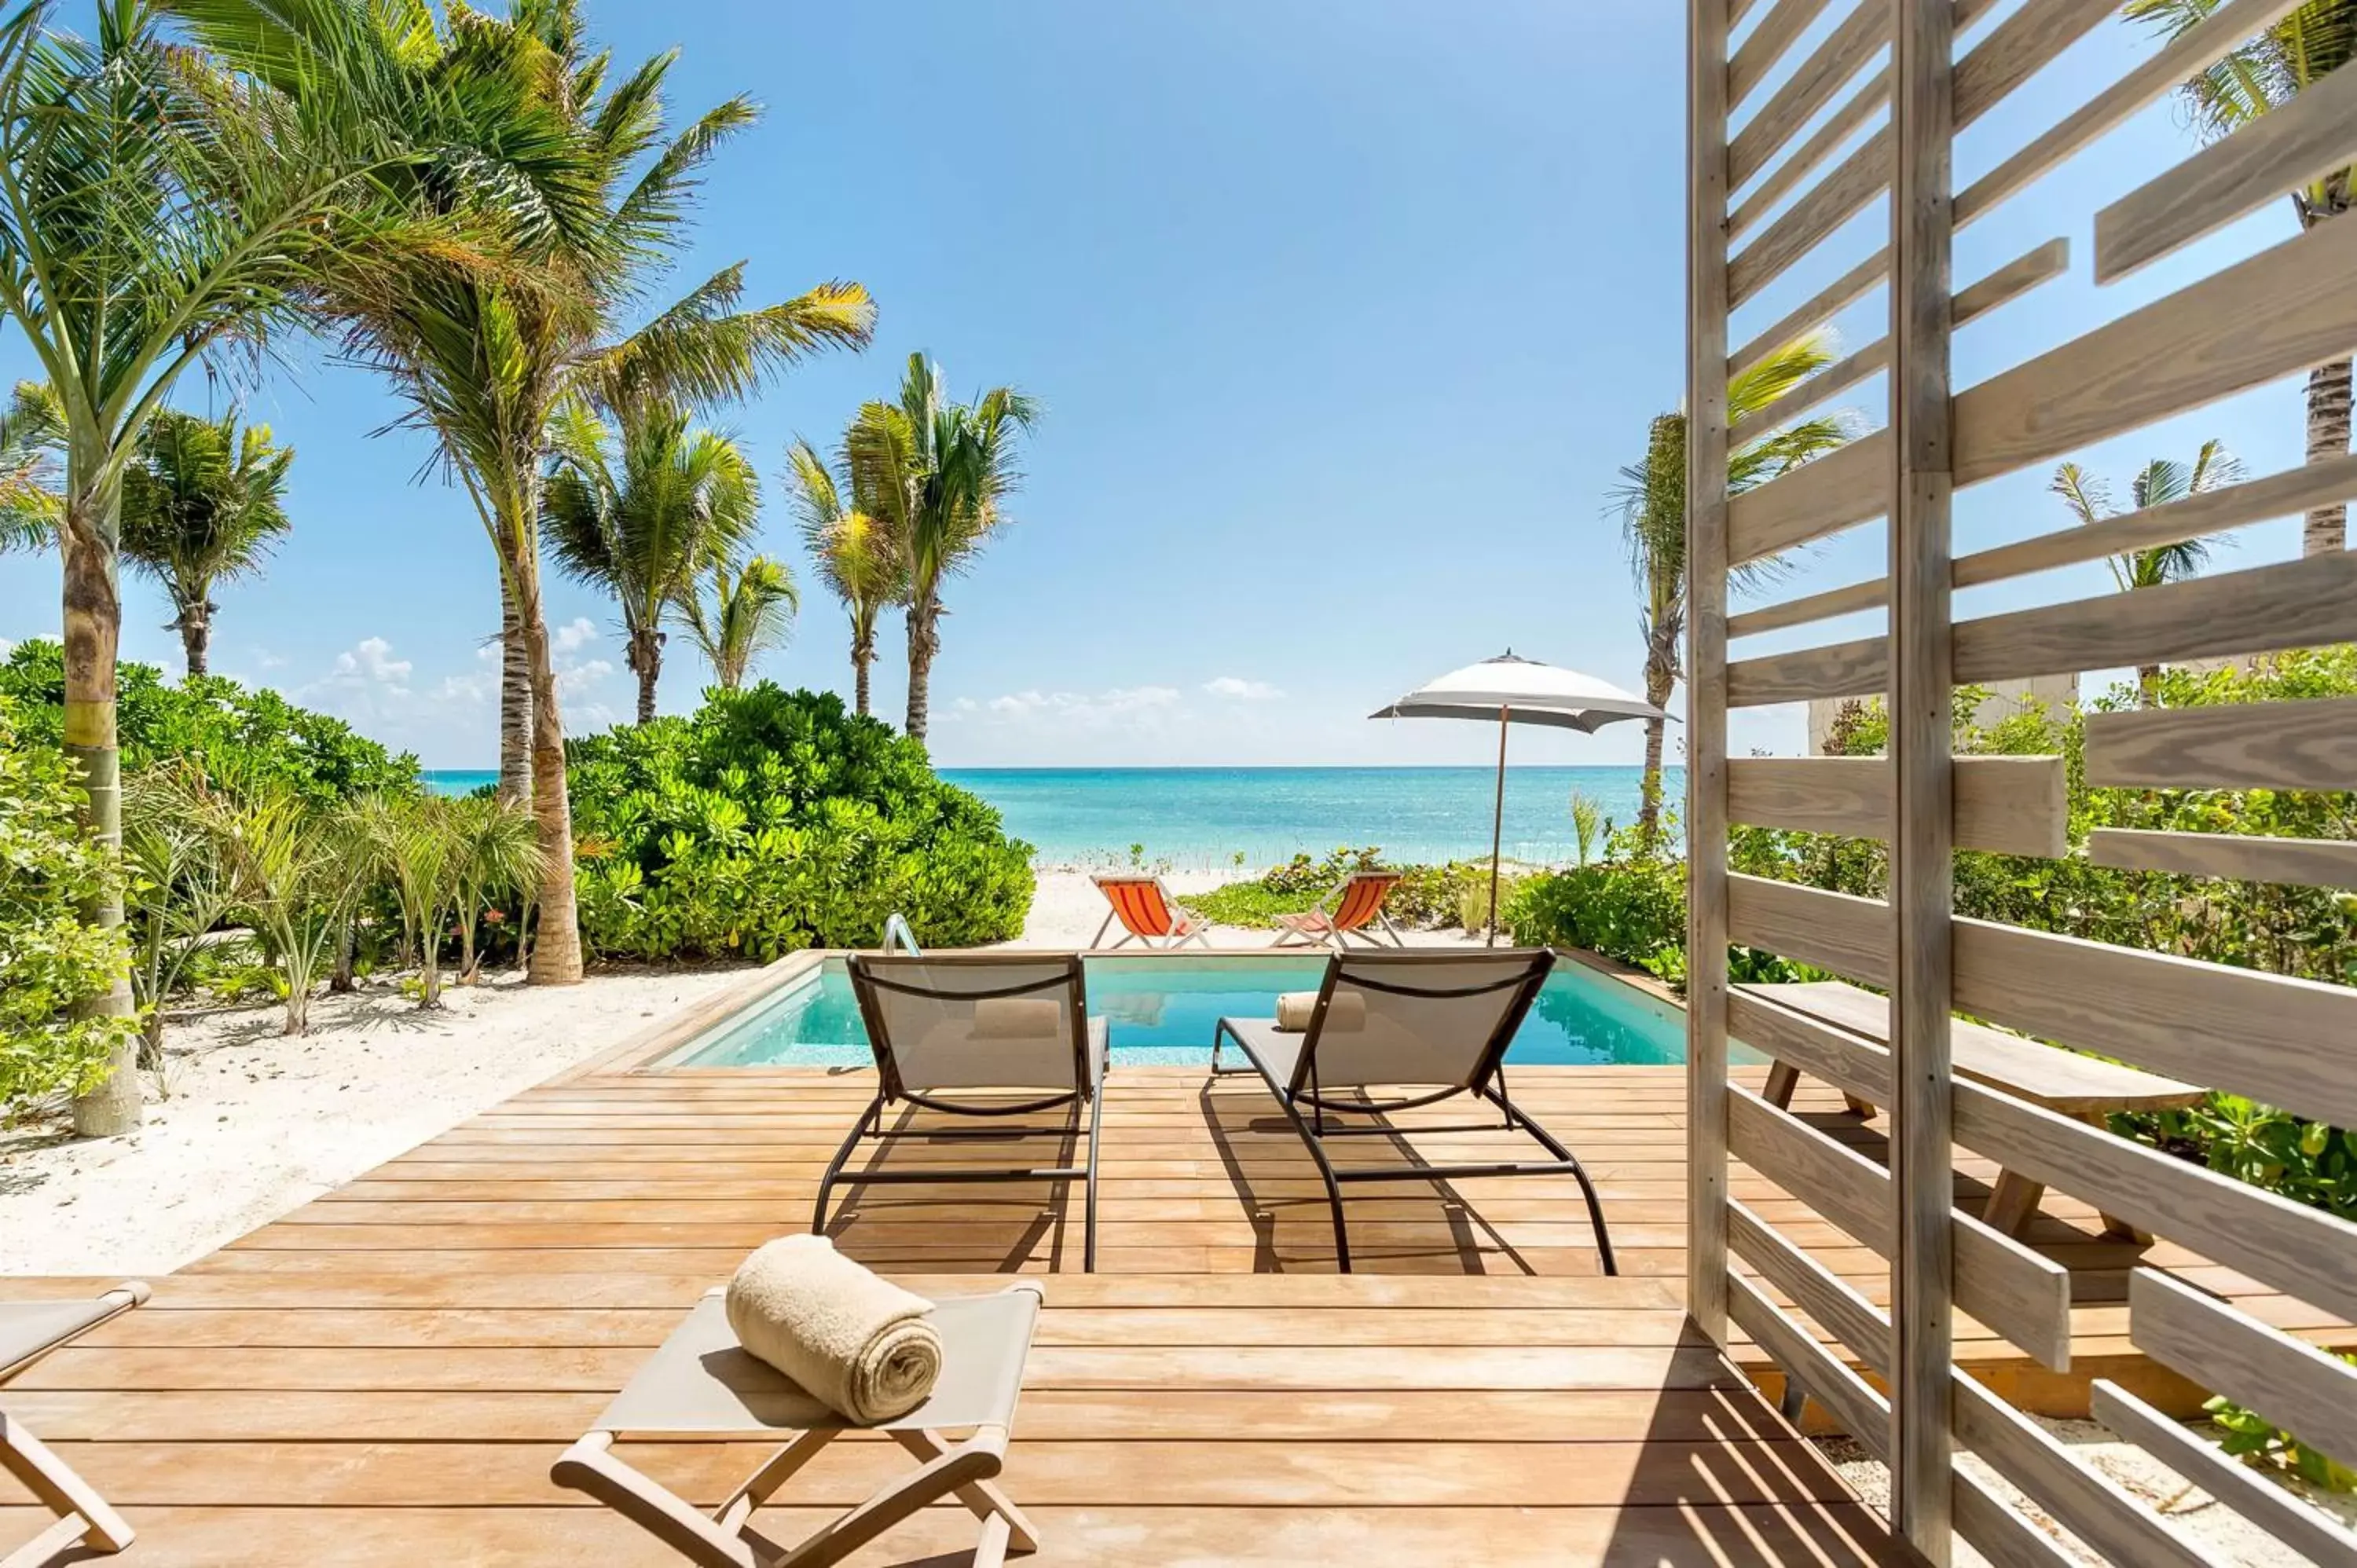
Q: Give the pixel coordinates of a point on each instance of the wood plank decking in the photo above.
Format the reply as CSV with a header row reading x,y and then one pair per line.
x,y
384,1375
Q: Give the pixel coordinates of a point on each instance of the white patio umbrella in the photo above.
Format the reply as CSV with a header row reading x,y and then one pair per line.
x,y
1511,689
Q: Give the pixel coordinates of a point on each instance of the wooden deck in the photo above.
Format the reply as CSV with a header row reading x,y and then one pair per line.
x,y
384,1375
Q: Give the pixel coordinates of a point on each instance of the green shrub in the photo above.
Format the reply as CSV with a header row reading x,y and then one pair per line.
x,y
49,960
1426,897
236,735
772,821
1634,910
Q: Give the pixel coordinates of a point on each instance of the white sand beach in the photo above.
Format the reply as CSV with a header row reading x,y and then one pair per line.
x,y
258,1125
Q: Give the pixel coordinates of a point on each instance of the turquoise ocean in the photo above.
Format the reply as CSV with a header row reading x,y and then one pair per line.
x,y
1204,818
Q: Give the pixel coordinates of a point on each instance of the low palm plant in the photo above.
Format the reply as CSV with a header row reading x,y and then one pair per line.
x,y
2158,483
737,616
854,553
407,842
203,502
495,855
293,873
178,891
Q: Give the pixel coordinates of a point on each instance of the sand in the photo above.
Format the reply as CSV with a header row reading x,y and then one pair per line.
x,y
1068,909
258,1125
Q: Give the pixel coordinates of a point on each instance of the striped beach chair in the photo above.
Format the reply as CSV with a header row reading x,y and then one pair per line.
x,y
1147,914
1353,909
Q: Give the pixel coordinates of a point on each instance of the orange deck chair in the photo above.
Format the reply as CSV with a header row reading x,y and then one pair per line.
x,y
1353,909
1147,914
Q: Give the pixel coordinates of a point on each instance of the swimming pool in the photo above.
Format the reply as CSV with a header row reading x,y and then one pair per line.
x,y
1162,1011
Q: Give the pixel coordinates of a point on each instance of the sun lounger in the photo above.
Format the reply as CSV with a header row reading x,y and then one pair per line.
x,y
943,1026
701,1384
1355,908
1433,1025
1147,914
29,1330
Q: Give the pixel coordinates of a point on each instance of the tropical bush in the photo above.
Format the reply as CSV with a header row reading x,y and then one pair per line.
x,y
773,820
216,723
51,961
1426,897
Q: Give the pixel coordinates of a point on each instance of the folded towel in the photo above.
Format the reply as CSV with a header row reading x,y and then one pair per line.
x,y
1018,1018
859,1343
1345,1014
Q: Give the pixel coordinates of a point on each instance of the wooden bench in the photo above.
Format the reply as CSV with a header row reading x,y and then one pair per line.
x,y
2065,1083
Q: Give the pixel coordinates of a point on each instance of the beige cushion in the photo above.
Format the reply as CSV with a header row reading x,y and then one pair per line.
x,y
1345,1014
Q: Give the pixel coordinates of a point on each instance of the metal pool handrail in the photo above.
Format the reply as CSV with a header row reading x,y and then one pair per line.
x,y
897,935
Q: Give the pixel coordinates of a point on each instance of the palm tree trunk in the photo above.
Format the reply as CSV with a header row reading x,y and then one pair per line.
x,y
2149,685
1661,678
94,630
515,703
646,662
196,629
2327,529
924,641
863,654
556,950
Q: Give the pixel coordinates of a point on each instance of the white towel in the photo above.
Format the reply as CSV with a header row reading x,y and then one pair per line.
x,y
1345,1014
859,1343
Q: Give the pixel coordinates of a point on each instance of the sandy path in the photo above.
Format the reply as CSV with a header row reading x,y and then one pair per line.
x,y
258,1125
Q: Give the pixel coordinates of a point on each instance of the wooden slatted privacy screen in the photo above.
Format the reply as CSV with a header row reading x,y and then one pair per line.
x,y
1821,112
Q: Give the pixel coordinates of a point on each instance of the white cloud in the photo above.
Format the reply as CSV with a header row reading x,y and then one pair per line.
x,y
572,680
6,647
1236,688
370,664
576,635
1121,708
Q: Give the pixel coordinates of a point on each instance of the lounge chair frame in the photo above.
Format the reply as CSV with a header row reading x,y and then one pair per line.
x,y
84,1518
964,1468
1487,1082
1089,1057
1180,916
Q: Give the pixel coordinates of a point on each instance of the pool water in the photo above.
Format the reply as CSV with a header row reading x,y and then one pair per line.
x,y
1162,1012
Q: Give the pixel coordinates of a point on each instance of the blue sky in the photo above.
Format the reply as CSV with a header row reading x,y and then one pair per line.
x,y
1343,317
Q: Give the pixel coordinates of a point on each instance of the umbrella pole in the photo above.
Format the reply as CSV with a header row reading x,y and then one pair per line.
x,y
1498,826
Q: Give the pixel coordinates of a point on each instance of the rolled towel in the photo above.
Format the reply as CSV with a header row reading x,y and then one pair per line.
x,y
1018,1018
859,1343
1345,1014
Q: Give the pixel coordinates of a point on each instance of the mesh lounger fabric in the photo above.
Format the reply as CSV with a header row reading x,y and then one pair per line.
x,y
29,1328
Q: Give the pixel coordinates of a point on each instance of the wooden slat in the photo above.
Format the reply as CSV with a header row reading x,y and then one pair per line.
x,y
1776,33
1792,1036
2293,604
2213,511
1849,600
1838,127
2284,149
2309,744
1818,1290
2018,48
2283,310
2287,1245
1841,488
2291,1383
1811,87
2020,1293
1709,182
2201,46
2007,805
1848,935
2041,264
2282,1513
1836,296
2279,1040
1848,1398
2092,1505
1830,203
1860,668
2303,862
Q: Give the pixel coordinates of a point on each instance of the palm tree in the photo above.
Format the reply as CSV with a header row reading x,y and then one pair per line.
x,y
738,616
679,498
1652,501
203,502
854,553
599,196
936,474
31,432
2264,75
152,212
2158,483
